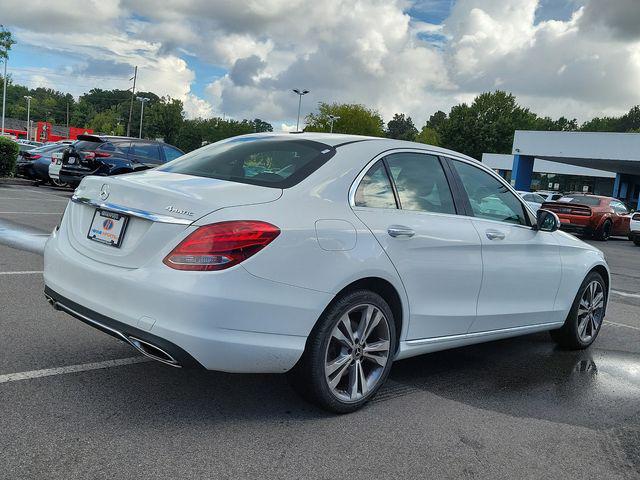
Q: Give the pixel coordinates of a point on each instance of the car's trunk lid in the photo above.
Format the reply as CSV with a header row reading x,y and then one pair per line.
x,y
158,206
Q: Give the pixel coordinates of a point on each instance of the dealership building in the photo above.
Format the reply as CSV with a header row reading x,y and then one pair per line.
x,y
602,163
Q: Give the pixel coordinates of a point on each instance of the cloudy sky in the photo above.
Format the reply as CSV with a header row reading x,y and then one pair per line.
x,y
578,58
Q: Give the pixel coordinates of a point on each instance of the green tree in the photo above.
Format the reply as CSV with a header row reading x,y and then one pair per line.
x,y
82,114
260,126
401,128
601,124
165,119
6,42
487,125
437,120
354,119
108,122
429,136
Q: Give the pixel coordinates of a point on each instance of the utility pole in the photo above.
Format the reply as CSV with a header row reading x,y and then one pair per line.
x,y
300,94
133,96
28,98
4,90
142,100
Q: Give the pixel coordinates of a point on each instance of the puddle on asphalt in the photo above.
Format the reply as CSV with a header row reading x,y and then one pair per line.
x,y
21,237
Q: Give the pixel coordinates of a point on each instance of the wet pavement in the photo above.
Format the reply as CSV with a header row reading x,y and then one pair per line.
x,y
518,408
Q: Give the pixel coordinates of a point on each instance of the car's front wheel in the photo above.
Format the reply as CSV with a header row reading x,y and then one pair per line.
x,y
585,318
349,353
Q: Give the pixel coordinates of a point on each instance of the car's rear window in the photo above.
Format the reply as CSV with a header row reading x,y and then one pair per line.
x,y
581,199
86,146
266,161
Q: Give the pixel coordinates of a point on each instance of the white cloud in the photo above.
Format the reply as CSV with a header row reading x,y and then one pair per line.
x,y
364,51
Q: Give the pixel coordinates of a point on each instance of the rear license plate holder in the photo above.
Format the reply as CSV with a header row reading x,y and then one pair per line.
x,y
108,227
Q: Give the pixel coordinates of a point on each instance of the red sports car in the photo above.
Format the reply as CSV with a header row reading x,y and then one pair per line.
x,y
591,215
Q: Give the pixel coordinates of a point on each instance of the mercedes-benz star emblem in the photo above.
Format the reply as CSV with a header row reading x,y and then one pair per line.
x,y
104,191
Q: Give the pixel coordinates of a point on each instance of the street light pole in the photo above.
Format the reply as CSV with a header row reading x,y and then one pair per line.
x,y
4,92
300,94
28,98
142,100
333,118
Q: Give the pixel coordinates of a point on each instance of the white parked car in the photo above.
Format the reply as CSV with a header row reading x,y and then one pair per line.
x,y
549,196
54,169
325,256
634,225
534,200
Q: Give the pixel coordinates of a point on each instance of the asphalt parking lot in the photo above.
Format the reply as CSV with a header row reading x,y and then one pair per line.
x,y
79,404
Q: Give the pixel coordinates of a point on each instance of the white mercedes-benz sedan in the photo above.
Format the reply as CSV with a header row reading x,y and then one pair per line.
x,y
325,256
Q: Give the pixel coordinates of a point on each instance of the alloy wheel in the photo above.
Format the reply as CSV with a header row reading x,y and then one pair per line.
x,y
357,352
590,311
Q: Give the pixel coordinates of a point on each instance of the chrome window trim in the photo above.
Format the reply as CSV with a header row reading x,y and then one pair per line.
x,y
134,212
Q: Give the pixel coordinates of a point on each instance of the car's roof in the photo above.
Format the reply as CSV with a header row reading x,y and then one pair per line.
x,y
338,139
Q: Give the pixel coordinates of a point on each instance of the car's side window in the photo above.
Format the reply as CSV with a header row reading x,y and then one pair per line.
x,y
421,183
488,197
538,198
375,189
145,152
619,208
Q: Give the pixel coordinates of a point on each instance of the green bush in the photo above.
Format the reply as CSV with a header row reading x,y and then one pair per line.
x,y
8,155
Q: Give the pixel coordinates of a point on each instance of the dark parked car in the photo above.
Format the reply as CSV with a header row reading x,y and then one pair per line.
x,y
34,164
107,155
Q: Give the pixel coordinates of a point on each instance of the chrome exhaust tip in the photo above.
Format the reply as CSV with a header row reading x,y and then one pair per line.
x,y
152,351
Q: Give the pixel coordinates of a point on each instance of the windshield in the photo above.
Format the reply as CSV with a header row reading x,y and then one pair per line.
x,y
266,161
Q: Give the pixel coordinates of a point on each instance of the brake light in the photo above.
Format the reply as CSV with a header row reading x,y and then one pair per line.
x,y
221,245
101,154
35,157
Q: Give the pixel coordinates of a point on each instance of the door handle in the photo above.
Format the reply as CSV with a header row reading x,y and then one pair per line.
x,y
400,231
494,235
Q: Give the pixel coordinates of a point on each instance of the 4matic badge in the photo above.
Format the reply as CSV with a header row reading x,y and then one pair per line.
x,y
181,211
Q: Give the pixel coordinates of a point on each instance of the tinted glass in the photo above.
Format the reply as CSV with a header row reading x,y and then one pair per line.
x,y
145,151
266,161
171,153
375,189
581,199
420,182
490,198
619,208
537,198
86,146
556,197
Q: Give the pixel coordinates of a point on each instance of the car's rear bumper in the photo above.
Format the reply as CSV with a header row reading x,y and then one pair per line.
x,y
577,229
230,321
145,342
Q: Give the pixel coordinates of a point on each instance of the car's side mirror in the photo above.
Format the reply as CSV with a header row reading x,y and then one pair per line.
x,y
547,221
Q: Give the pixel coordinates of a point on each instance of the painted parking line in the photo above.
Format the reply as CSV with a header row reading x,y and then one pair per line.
x,y
35,199
49,372
626,294
616,324
27,272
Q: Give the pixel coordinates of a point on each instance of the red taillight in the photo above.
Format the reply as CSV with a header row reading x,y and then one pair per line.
x,y
221,245
101,154
35,157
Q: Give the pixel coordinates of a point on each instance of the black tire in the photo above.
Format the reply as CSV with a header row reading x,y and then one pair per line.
x,y
308,376
604,232
567,336
636,240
